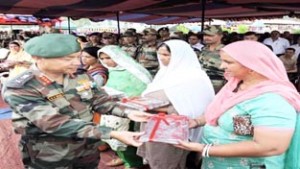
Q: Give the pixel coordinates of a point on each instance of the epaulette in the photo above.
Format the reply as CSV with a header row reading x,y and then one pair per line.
x,y
20,80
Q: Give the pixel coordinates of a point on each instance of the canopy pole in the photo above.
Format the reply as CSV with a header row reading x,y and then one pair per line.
x,y
11,29
118,22
203,3
69,25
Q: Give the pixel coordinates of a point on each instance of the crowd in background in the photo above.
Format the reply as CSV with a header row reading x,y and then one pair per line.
x,y
141,46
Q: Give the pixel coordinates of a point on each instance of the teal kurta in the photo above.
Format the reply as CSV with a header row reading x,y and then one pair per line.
x,y
267,110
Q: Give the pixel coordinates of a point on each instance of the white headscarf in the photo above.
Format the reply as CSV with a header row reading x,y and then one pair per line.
x,y
124,61
186,85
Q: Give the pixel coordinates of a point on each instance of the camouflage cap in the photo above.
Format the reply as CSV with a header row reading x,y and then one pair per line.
x,y
107,35
94,34
212,30
52,45
129,34
150,31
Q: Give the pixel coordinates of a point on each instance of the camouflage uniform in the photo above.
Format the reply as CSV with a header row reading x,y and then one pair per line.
x,y
146,56
211,62
55,120
130,49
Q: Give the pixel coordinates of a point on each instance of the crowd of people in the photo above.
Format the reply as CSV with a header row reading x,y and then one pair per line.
x,y
238,91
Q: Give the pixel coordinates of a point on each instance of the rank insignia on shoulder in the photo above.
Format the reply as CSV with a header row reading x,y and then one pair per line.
x,y
56,96
20,80
45,80
86,86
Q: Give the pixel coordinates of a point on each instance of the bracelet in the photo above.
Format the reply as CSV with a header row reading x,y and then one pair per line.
x,y
205,152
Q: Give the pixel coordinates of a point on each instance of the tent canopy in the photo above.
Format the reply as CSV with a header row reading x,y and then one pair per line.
x,y
153,11
11,19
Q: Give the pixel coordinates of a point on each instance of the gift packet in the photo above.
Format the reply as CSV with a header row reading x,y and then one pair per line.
x,y
166,129
113,93
143,103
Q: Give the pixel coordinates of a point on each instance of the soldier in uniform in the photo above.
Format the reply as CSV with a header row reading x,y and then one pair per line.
x,y
108,38
163,33
146,53
129,46
94,40
53,110
210,57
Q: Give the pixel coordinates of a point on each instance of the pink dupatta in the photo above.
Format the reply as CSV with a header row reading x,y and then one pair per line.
x,y
262,60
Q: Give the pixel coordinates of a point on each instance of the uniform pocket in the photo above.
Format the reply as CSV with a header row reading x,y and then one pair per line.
x,y
60,102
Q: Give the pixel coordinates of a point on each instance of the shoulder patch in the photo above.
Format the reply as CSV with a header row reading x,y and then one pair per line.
x,y
19,80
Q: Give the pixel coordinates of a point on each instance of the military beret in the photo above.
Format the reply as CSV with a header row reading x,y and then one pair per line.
x,y
212,30
52,45
163,29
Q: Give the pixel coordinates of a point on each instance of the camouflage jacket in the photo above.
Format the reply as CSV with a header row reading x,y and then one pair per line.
x,y
211,62
42,107
147,57
130,49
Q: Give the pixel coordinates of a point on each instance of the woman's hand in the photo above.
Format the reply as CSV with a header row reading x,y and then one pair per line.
x,y
127,137
197,122
10,63
24,64
190,146
193,123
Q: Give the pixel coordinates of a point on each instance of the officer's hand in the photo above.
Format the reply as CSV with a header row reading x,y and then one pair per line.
x,y
138,116
127,137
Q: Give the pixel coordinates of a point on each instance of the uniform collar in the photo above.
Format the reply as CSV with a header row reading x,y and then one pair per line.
x,y
219,47
43,78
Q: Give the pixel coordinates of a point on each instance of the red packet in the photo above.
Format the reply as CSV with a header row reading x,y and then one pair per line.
x,y
167,129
